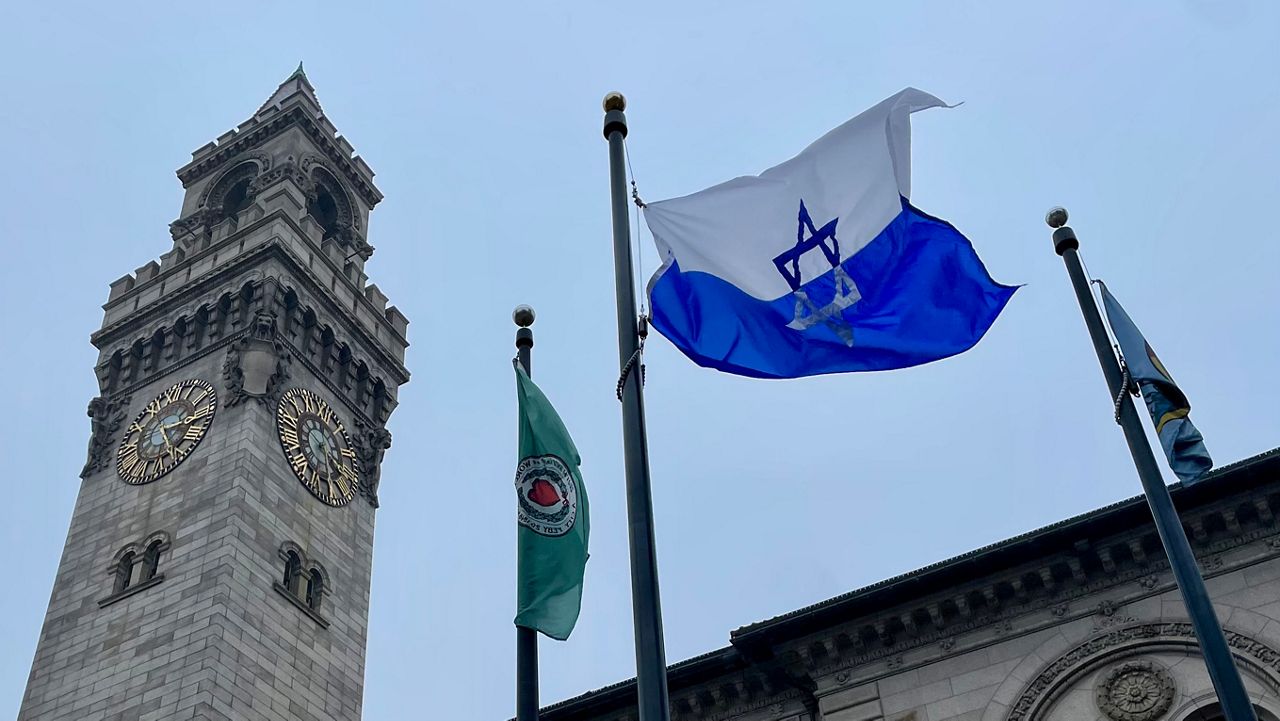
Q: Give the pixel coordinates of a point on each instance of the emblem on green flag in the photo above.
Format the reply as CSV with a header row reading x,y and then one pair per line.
x,y
551,504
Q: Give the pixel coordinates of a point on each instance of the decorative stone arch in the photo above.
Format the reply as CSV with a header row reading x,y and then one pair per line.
x,y
1207,708
288,546
234,186
306,581
313,593
1254,658
329,202
161,536
132,547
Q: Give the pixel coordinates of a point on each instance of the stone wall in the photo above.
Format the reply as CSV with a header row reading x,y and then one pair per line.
x,y
213,639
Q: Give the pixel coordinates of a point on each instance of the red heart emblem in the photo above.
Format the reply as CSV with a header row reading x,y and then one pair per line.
x,y
543,493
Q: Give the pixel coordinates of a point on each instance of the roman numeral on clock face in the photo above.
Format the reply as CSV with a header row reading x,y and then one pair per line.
x,y
151,446
316,446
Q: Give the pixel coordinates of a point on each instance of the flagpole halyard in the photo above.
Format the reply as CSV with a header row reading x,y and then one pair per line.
x,y
526,638
651,665
1213,642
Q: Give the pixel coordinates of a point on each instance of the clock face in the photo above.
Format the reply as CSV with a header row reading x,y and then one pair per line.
x,y
317,447
166,431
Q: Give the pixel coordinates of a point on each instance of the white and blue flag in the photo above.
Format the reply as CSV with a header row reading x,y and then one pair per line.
x,y
820,264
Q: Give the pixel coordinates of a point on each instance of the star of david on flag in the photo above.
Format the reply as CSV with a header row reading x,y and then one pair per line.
x,y
757,280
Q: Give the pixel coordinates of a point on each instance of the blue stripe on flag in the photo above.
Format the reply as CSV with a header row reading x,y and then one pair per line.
x,y
925,296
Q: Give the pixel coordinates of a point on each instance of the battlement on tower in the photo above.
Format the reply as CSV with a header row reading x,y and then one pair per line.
x,y
151,281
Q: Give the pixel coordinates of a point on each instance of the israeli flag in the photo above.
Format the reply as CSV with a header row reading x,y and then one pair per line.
x,y
820,264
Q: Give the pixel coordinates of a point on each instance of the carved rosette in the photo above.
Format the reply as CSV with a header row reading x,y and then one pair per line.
x,y
106,415
257,364
1135,691
371,444
1253,657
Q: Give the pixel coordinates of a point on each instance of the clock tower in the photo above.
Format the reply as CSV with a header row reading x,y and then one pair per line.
x,y
218,560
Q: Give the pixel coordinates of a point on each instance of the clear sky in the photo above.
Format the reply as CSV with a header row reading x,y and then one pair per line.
x,y
1153,122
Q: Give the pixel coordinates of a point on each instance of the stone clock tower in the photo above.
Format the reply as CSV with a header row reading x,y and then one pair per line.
x,y
218,560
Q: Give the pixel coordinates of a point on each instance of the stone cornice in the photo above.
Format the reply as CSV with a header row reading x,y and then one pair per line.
x,y
1001,627
821,654
162,307
1233,526
268,128
1026,550
223,344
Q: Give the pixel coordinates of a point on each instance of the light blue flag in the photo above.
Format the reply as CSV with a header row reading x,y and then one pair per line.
x,y
1169,408
820,264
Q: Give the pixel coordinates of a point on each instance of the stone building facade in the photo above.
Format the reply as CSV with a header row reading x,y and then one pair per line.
x,y
218,560
1076,621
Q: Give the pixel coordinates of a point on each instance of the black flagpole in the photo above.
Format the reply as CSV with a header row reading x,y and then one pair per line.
x,y
526,638
1213,643
651,664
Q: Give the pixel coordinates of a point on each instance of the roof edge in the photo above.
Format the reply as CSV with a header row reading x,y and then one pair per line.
x,y
1196,493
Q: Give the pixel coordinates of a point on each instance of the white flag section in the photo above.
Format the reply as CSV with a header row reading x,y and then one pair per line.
x,y
820,264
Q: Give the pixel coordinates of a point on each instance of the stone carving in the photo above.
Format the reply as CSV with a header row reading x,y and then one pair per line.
x,y
1039,692
1060,610
1273,543
1149,582
948,643
1107,616
1135,691
280,172
371,444
257,364
106,416
895,662
185,228
247,166
1211,563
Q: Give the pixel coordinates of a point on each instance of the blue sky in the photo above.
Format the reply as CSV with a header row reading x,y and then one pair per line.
x,y
1153,122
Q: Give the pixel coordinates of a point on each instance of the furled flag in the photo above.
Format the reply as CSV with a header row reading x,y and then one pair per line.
x,y
1169,408
552,516
820,264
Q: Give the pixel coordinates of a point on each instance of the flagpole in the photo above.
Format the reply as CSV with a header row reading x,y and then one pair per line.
x,y
646,608
526,638
1204,620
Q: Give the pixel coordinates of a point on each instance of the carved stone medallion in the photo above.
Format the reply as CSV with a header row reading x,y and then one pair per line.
x,y
257,364
1135,691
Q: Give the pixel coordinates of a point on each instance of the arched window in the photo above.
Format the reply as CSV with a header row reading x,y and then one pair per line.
x,y
1213,712
315,588
292,570
236,199
151,561
124,572
231,193
324,209
305,582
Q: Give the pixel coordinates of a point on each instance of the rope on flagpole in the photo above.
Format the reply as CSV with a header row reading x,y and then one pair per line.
x,y
1126,385
637,249
643,327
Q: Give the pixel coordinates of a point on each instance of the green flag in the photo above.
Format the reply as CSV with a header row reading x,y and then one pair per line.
x,y
552,515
